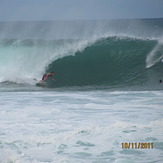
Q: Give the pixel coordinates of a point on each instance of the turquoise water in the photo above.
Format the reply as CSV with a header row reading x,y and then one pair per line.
x,y
97,53
107,91
110,61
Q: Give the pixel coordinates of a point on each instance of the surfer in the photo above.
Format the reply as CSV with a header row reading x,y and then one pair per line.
x,y
46,76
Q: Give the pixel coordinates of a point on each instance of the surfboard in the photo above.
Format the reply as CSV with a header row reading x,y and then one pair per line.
x,y
41,84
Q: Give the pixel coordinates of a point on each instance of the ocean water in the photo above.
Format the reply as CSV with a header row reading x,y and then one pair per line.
x,y
108,90
84,126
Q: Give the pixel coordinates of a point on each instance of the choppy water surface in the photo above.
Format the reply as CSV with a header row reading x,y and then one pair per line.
x,y
85,126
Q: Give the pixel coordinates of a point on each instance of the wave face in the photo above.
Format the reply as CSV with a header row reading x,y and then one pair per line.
x,y
112,54
110,61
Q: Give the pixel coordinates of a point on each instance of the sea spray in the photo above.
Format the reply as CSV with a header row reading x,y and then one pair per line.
x,y
155,55
95,52
23,59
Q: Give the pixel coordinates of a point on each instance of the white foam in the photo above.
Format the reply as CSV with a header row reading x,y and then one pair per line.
x,y
18,63
155,55
62,127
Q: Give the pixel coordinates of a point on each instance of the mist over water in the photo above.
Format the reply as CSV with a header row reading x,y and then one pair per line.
x,y
29,49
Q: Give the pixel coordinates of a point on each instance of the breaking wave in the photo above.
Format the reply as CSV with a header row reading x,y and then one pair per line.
x,y
110,59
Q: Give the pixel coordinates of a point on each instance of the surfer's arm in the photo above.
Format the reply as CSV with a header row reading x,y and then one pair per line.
x,y
50,76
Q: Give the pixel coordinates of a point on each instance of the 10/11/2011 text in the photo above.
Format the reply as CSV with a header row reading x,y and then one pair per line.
x,y
137,145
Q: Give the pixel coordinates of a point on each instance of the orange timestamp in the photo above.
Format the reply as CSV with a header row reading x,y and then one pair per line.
x,y
137,145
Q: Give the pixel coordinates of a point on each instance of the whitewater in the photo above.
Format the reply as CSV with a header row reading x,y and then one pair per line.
x,y
107,91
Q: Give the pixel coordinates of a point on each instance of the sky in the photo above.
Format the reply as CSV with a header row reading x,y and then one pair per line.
x,y
36,10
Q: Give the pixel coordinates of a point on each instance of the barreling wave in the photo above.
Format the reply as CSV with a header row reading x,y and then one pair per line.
x,y
114,59
109,61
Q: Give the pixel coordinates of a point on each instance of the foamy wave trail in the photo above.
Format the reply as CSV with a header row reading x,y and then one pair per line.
x,y
155,55
107,53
